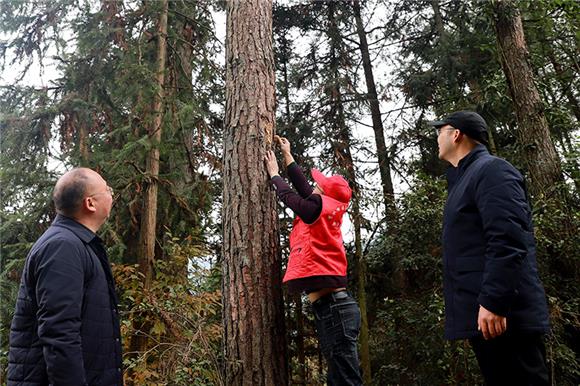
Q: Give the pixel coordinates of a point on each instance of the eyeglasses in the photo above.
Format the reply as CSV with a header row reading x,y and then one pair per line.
x,y
438,130
109,190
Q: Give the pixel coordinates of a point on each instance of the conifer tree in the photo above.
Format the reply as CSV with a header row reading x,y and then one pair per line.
x,y
253,314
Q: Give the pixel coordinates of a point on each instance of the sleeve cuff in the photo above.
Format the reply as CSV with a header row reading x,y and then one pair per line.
x,y
497,306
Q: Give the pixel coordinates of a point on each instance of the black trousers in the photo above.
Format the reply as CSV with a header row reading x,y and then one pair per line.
x,y
338,323
512,359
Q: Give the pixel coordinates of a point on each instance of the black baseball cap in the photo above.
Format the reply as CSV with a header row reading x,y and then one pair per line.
x,y
469,123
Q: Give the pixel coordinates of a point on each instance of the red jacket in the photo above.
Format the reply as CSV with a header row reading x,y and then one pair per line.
x,y
317,248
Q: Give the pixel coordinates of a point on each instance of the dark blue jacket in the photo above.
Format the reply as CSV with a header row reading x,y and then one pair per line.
x,y
66,329
489,253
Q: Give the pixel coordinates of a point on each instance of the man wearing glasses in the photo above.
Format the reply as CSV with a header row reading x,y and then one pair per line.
x,y
65,329
493,295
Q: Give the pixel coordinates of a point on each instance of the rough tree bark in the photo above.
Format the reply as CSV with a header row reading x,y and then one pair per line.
x,y
539,152
253,314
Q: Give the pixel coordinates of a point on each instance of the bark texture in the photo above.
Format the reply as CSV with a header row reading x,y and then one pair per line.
x,y
539,153
254,336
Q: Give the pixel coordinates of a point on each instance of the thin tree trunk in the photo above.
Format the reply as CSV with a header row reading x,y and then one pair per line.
x,y
253,313
438,18
148,226
83,146
565,89
147,235
491,140
344,159
299,314
382,154
539,152
300,340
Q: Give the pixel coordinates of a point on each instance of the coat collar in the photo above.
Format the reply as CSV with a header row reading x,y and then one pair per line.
x,y
453,173
474,154
82,232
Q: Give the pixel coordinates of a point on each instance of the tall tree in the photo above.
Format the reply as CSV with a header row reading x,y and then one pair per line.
x,y
373,101
253,313
343,155
148,226
284,18
149,215
539,152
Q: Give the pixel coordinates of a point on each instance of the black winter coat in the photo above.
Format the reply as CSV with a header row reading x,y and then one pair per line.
x,y
66,329
489,253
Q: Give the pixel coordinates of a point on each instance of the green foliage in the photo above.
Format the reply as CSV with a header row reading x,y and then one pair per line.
x,y
410,256
409,349
180,316
557,237
405,290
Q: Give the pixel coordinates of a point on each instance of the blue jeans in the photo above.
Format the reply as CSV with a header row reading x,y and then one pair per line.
x,y
338,323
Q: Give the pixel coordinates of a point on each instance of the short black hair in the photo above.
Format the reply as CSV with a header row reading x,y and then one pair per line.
x,y
68,195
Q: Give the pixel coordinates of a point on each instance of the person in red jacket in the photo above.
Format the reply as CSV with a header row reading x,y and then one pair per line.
x,y
317,263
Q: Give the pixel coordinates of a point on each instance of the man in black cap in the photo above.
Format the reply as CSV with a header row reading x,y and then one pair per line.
x,y
493,295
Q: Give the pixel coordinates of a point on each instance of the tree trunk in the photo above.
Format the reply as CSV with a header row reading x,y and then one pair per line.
x,y
147,235
561,76
344,159
372,97
253,314
148,226
539,152
83,145
289,130
300,340
438,18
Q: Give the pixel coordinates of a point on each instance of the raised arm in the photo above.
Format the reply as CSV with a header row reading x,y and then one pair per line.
x,y
295,173
308,209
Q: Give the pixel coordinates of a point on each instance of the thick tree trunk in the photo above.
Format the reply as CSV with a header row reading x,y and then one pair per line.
x,y
253,315
343,156
382,154
539,152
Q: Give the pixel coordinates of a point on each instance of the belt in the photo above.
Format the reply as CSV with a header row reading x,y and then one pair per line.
x,y
332,297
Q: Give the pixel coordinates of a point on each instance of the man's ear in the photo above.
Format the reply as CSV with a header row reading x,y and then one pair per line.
x,y
88,204
458,136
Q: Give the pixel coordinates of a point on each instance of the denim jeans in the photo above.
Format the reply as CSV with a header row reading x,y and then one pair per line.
x,y
338,323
